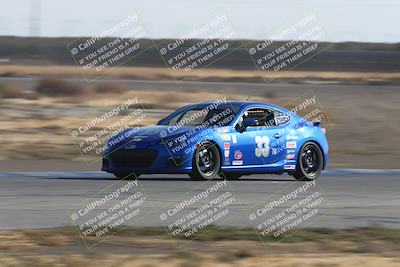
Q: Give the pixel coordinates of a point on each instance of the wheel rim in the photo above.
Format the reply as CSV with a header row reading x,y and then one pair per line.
x,y
310,160
206,160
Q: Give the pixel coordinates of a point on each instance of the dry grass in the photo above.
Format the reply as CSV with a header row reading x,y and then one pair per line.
x,y
150,247
283,260
12,91
110,89
53,87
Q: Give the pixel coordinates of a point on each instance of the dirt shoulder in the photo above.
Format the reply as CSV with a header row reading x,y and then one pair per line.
x,y
223,247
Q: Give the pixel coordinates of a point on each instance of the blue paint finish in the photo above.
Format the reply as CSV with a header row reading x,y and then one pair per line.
x,y
259,149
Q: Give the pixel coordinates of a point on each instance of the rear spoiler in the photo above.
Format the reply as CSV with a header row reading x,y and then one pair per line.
x,y
317,123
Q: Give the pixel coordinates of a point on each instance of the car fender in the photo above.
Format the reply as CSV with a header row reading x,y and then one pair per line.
x,y
316,136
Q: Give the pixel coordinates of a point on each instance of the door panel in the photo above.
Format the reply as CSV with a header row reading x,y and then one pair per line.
x,y
262,144
268,144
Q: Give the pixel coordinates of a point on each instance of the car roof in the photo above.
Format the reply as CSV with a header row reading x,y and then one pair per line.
x,y
239,104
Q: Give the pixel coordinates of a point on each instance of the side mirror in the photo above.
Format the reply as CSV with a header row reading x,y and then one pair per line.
x,y
247,123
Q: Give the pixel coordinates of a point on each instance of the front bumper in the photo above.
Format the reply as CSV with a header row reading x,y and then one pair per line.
x,y
153,159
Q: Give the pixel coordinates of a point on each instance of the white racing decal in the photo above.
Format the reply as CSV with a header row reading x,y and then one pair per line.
x,y
290,156
226,153
291,144
227,146
234,139
289,167
226,138
238,155
262,146
292,137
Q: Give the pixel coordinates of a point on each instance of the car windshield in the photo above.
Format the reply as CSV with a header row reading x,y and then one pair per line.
x,y
201,115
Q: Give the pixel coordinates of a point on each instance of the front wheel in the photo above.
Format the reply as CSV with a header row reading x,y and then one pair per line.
x,y
206,162
309,163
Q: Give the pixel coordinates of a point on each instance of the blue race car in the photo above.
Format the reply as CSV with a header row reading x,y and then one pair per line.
x,y
222,138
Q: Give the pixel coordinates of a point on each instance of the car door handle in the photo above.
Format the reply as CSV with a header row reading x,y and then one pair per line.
x,y
277,135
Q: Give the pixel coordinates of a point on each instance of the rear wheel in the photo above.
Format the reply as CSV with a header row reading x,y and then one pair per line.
x,y
206,162
310,162
126,176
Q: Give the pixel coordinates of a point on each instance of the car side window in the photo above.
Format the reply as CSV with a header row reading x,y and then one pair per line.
x,y
266,117
263,116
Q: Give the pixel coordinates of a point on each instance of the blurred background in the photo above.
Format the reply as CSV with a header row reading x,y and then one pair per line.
x,y
45,93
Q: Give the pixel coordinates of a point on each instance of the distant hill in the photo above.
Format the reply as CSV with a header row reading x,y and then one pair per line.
x,y
351,56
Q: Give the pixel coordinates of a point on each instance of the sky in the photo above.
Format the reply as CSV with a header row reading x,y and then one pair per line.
x,y
343,20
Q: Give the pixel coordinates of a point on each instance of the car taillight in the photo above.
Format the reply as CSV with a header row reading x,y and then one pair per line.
x,y
323,130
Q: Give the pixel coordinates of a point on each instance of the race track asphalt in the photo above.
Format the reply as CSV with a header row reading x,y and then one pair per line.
x,y
41,200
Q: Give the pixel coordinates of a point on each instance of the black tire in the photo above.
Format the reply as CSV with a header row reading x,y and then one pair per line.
x,y
310,162
126,176
206,162
230,176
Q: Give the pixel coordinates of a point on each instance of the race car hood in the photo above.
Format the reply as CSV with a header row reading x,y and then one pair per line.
x,y
152,134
